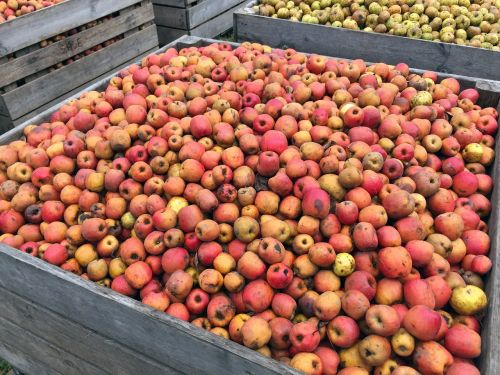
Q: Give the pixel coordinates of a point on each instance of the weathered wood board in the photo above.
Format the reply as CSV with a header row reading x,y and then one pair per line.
x,y
189,18
205,18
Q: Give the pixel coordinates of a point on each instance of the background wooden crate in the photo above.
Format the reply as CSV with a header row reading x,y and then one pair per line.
x,y
204,18
374,47
53,322
28,85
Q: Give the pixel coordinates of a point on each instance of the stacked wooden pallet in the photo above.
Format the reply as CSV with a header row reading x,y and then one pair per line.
x,y
42,65
205,18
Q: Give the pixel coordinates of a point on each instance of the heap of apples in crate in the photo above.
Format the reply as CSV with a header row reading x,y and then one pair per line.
x,y
326,213
11,9
473,23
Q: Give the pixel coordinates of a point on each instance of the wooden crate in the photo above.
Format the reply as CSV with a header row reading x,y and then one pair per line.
x,y
28,86
204,18
356,44
53,322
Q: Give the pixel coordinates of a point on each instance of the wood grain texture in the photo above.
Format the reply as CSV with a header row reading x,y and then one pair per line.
x,y
217,25
64,361
19,359
190,17
208,29
168,34
49,22
490,338
175,3
62,332
168,341
54,53
351,44
171,17
489,94
62,80
207,10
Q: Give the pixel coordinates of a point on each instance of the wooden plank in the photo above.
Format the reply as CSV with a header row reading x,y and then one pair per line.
x,y
490,325
344,43
74,44
62,332
217,25
167,340
64,361
207,10
22,360
168,34
171,17
489,94
4,111
70,76
54,20
209,29
175,3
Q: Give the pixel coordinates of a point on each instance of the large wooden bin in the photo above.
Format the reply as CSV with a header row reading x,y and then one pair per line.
x,y
369,46
29,84
204,18
53,322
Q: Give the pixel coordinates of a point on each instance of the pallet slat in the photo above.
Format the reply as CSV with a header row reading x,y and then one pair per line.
x,y
22,360
206,10
67,334
191,17
167,34
490,325
44,352
175,3
173,17
209,29
217,25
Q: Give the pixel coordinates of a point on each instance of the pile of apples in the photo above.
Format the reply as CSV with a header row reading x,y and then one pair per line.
x,y
474,23
322,212
11,9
